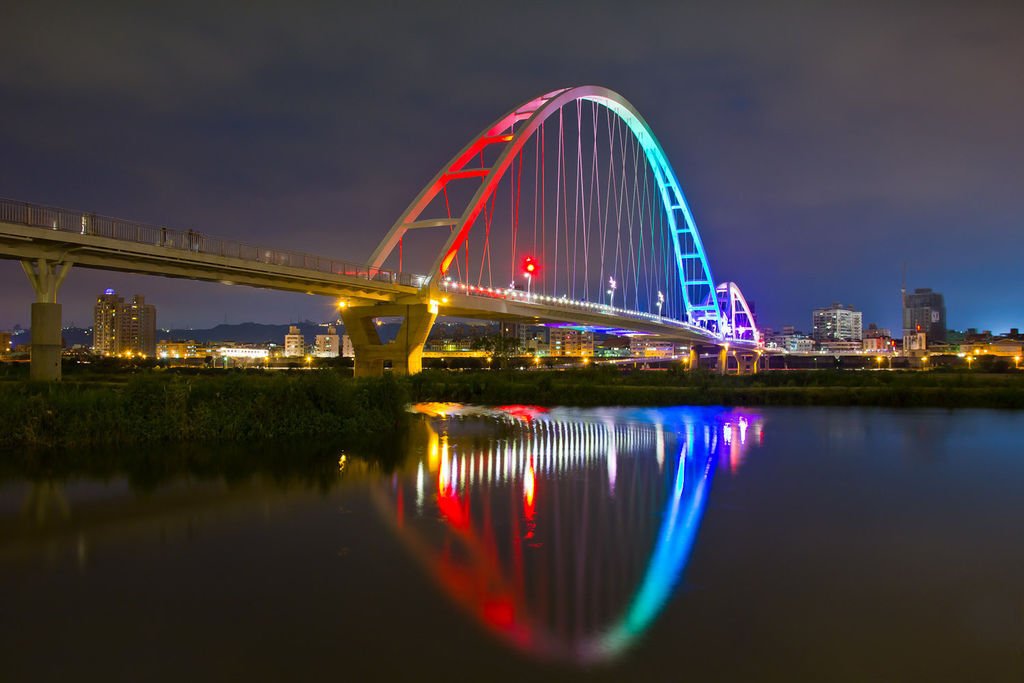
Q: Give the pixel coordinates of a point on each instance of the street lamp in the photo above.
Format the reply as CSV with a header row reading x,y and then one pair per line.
x,y
1016,362
661,301
611,291
529,268
969,359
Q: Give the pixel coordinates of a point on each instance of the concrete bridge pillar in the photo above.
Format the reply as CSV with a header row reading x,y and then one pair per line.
x,y
723,359
746,362
405,351
46,278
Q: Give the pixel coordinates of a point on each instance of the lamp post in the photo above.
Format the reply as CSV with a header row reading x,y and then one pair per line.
x,y
529,268
611,291
1016,362
661,301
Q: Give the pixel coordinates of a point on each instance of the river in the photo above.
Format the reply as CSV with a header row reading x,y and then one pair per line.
x,y
521,543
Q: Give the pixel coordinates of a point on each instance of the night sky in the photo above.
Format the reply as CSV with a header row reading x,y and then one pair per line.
x,y
821,145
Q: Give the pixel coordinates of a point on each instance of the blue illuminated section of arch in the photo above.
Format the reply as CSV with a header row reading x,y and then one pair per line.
x,y
683,514
675,203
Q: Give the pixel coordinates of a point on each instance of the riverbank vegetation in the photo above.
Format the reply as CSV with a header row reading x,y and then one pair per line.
x,y
153,407
610,386
159,406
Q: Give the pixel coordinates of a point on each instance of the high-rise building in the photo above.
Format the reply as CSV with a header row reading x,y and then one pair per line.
x,y
327,345
120,327
924,311
105,323
138,327
837,323
294,343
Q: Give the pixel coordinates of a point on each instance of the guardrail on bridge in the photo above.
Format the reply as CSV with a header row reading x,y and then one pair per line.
x,y
78,222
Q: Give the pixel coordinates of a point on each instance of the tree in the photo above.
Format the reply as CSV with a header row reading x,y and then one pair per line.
x,y
501,349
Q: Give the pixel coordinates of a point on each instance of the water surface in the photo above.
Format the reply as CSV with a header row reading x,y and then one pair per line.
x,y
514,543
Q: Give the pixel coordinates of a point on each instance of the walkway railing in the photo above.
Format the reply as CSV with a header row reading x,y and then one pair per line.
x,y
80,223
564,303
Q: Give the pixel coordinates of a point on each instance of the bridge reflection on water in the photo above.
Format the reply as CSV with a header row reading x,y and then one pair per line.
x,y
564,533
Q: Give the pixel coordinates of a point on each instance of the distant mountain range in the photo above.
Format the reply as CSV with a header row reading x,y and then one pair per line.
x,y
260,333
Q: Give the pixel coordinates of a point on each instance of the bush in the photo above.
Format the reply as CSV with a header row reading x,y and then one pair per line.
x,y
157,407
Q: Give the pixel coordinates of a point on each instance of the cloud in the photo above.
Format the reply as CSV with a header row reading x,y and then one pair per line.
x,y
857,124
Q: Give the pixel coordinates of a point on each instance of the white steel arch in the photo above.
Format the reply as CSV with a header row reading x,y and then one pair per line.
x,y
512,131
737,321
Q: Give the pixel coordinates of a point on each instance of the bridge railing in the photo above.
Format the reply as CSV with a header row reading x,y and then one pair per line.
x,y
565,303
174,240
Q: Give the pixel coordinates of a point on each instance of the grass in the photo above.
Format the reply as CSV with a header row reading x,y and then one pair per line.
x,y
607,386
155,407
159,406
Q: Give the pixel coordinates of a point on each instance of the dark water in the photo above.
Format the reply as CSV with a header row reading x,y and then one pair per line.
x,y
673,544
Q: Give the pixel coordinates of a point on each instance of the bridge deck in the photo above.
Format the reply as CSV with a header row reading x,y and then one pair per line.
x,y
29,231
509,307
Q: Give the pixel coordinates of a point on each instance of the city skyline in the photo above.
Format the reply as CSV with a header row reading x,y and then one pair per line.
x,y
812,180
332,317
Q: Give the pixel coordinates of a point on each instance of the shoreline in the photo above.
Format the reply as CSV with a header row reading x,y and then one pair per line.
x,y
586,388
248,407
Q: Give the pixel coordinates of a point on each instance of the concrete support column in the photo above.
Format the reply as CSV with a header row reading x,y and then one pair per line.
x,y
47,346
694,362
362,332
744,361
723,360
406,350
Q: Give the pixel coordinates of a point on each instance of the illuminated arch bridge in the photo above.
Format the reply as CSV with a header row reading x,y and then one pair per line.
x,y
565,210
